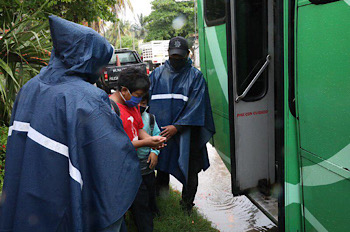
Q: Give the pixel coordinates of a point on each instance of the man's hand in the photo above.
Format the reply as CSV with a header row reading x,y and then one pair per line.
x,y
168,131
152,160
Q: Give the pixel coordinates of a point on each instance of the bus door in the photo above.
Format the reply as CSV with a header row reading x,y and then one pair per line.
x,y
253,154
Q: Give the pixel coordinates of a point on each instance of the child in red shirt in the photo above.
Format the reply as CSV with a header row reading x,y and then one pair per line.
x,y
132,86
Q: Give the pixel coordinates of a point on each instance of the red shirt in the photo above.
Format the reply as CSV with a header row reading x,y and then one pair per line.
x,y
132,121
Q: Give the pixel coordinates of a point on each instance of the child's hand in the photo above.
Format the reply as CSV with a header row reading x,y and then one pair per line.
x,y
159,147
152,160
156,141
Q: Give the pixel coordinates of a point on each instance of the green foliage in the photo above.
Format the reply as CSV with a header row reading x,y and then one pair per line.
x,y
173,219
3,143
25,38
127,32
24,50
73,10
139,28
160,21
127,42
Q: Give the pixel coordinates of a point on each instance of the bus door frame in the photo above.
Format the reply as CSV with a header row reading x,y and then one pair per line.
x,y
275,43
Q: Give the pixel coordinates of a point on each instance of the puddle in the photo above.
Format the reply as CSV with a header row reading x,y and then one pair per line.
x,y
215,201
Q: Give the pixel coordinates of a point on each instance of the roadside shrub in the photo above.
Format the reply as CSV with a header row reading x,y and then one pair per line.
x,y
3,143
24,49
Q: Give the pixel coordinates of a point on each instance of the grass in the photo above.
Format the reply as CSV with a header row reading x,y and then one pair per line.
x,y
173,219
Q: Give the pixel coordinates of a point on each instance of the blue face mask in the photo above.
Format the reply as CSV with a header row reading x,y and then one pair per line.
x,y
134,101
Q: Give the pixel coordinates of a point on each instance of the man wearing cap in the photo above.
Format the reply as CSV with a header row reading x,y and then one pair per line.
x,y
180,102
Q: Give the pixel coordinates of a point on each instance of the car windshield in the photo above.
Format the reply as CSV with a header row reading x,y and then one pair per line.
x,y
113,59
124,57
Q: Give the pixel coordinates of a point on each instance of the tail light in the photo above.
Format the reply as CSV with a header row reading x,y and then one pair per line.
x,y
147,69
106,76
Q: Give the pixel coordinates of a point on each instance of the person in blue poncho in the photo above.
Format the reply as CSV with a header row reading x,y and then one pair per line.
x,y
180,102
69,164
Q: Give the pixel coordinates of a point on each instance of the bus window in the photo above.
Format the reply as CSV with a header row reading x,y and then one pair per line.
x,y
215,12
251,47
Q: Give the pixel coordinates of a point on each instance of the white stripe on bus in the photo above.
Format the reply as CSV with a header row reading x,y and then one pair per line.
x,y
49,144
313,221
169,96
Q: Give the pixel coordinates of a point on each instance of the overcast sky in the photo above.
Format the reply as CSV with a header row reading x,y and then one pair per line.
x,y
140,6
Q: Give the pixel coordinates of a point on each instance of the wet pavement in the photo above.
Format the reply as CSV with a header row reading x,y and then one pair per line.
x,y
215,201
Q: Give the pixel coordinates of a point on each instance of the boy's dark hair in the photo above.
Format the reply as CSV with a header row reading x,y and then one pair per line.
x,y
133,79
145,97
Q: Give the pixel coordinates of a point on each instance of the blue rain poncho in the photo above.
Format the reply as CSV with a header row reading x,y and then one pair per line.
x,y
69,164
181,98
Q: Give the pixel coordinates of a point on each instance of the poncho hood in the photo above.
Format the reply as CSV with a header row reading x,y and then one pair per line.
x,y
81,50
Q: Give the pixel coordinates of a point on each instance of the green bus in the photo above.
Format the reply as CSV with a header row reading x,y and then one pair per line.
x,y
278,73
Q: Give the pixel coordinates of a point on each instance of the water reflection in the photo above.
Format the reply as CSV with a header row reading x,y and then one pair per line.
x,y
215,201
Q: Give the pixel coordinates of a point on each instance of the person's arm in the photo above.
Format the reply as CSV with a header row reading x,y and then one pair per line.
x,y
171,130
153,156
148,141
141,143
156,132
168,131
143,134
152,160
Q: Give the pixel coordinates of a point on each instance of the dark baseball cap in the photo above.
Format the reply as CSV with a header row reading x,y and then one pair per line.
x,y
179,46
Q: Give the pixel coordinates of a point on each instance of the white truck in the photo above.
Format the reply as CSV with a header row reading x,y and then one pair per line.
x,y
154,53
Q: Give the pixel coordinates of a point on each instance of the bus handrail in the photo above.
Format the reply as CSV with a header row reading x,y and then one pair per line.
x,y
267,62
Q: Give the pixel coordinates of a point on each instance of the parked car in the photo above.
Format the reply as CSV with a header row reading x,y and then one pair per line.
x,y
122,59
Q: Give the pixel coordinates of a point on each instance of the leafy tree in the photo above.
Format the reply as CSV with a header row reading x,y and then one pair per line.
x,y
125,27
74,10
127,32
112,34
3,143
24,49
169,19
127,42
25,38
139,28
